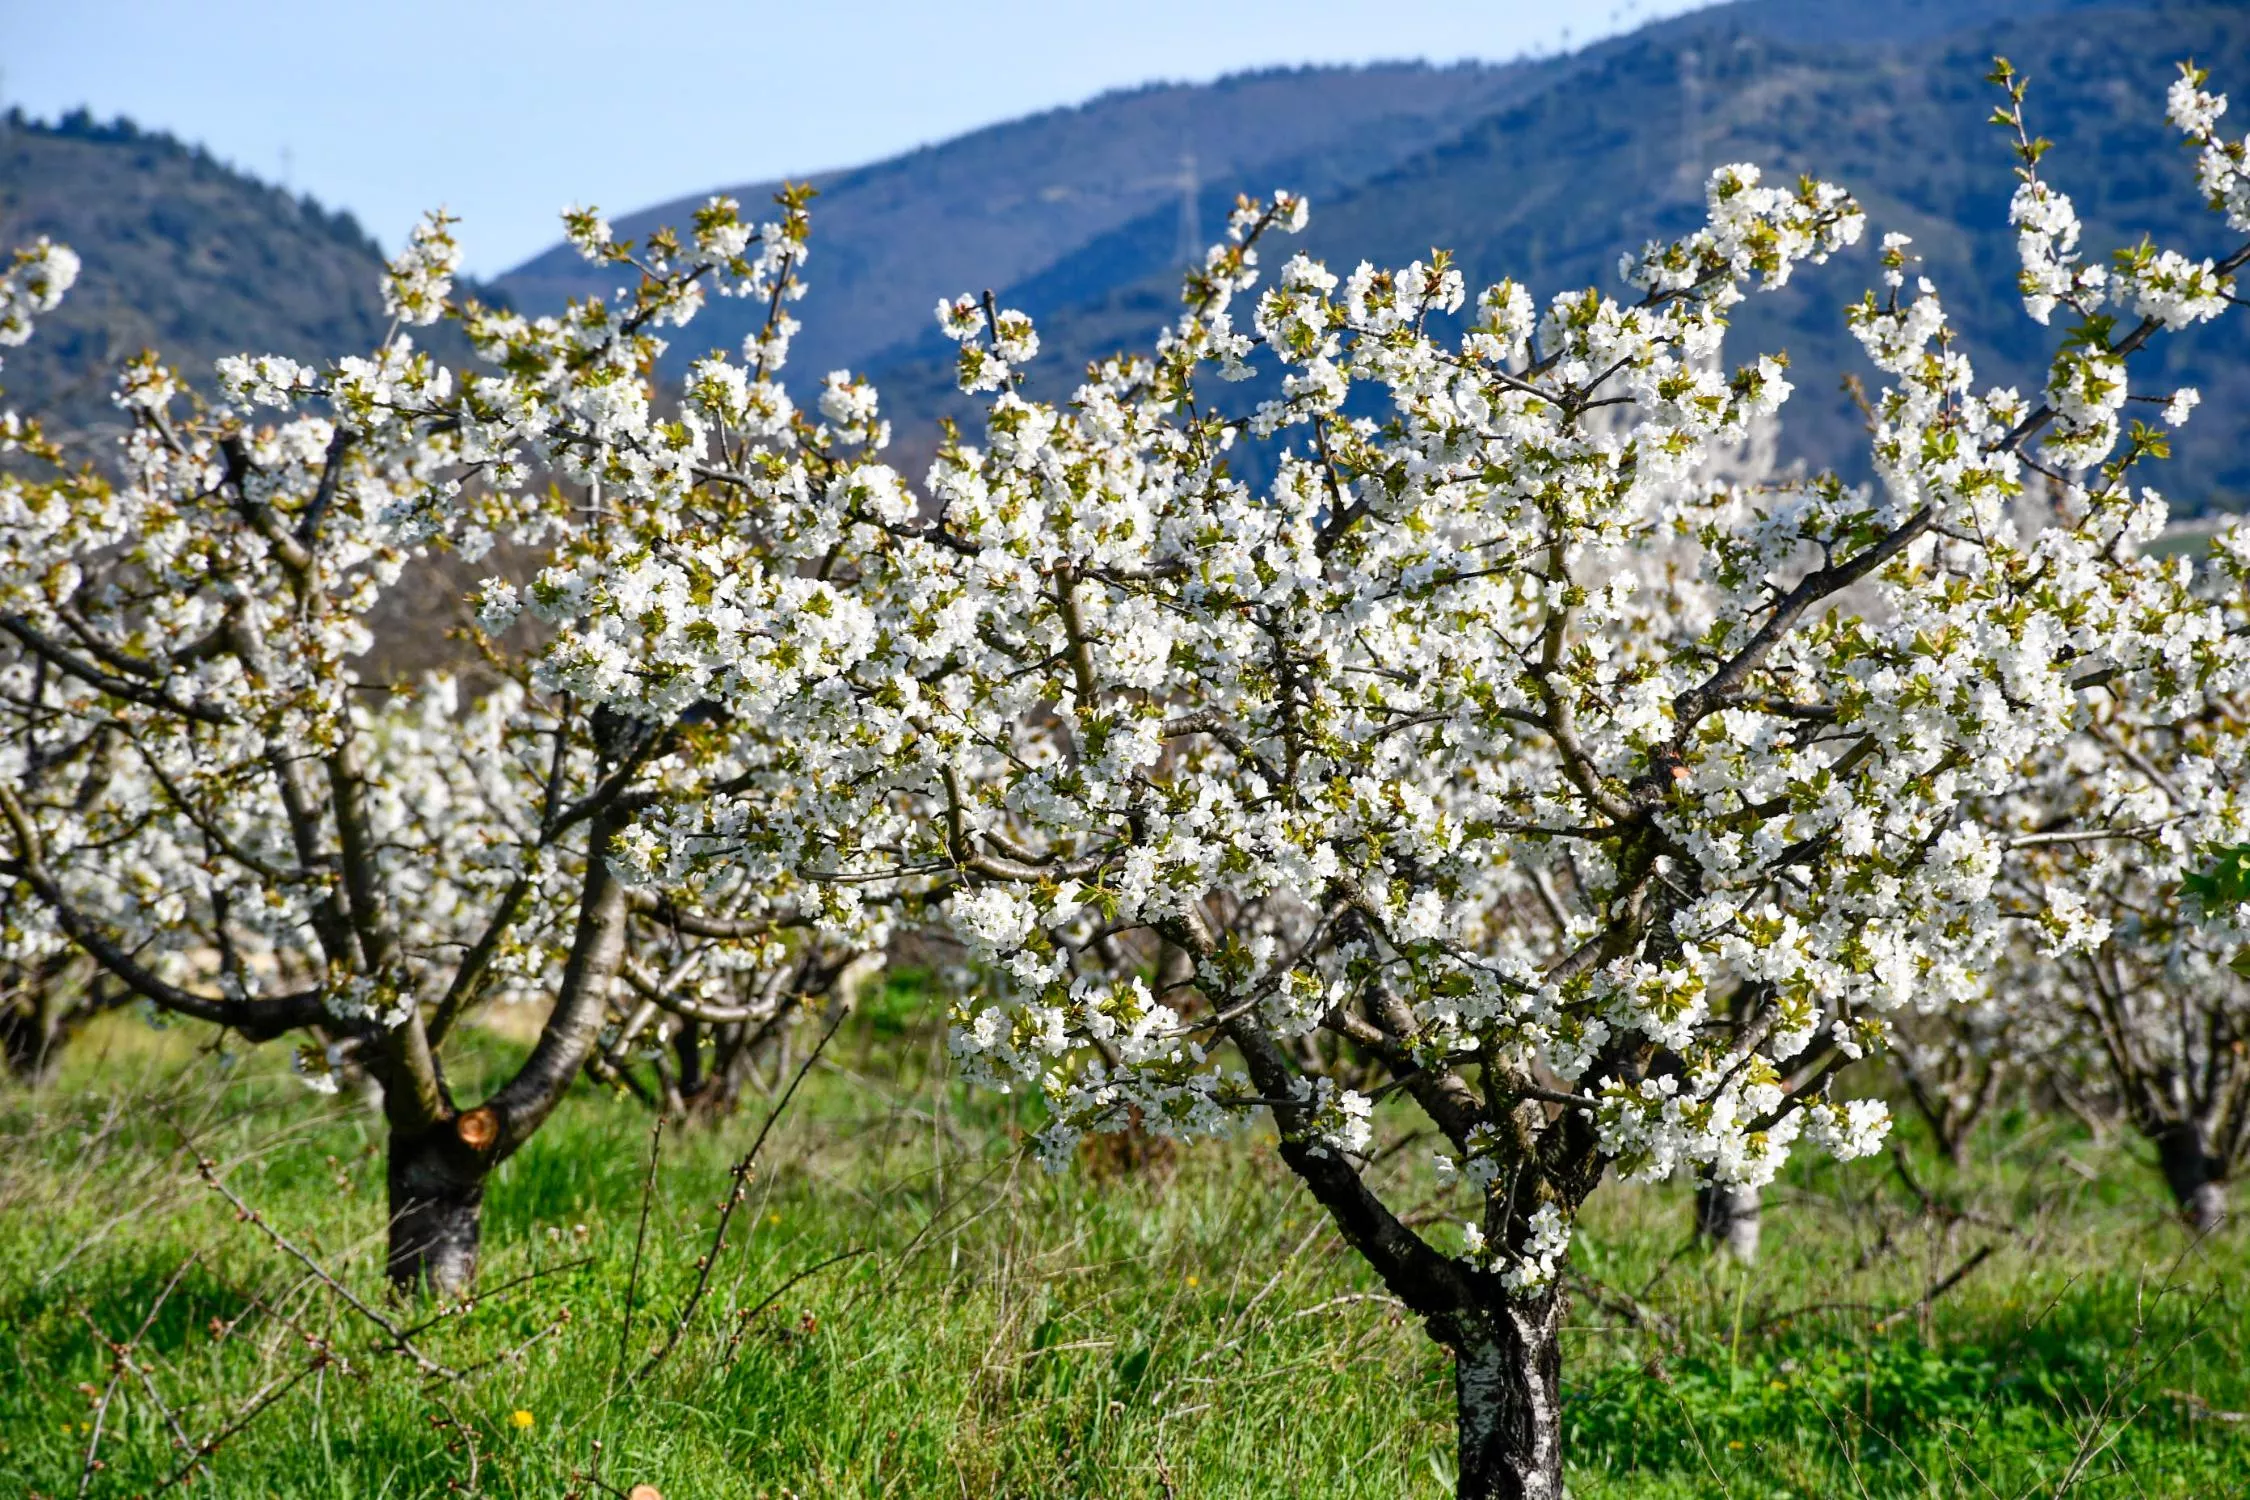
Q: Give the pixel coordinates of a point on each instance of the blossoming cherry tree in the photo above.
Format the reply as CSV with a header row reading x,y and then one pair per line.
x,y
202,794
1601,867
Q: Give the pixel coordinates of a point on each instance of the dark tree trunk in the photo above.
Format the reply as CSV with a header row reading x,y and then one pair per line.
x,y
39,1018
1507,1385
711,1091
1727,1217
436,1201
2197,1178
27,1046
687,1049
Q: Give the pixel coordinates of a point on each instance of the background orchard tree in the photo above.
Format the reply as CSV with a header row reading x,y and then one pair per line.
x,y
2129,872
711,1016
1956,1064
2113,826
204,797
47,995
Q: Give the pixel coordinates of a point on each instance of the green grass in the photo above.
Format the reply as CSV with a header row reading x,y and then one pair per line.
x,y
1189,1329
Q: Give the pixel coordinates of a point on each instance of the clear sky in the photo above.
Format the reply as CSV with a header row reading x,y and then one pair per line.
x,y
506,111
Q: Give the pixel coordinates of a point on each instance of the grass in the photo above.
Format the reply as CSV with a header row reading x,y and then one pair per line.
x,y
1184,1328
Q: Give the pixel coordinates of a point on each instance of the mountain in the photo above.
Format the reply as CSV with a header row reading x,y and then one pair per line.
x,y
997,205
1071,202
1542,169
1552,188
181,253
1545,171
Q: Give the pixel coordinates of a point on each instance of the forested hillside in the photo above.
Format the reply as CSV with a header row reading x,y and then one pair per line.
x,y
1541,169
1069,206
182,254
1550,188
1000,204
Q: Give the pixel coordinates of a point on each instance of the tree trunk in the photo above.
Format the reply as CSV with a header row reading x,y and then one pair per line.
x,y
1507,1384
1727,1217
27,1044
436,1201
2196,1177
48,1005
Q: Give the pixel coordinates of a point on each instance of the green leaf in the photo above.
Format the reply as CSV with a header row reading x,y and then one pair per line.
x,y
2224,883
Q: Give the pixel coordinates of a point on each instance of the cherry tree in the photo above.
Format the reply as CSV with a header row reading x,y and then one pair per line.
x,y
204,798
1957,1063
2128,880
44,989
2124,836
1091,697
49,992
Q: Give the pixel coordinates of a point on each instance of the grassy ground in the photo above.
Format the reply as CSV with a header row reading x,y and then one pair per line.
x,y
1182,1329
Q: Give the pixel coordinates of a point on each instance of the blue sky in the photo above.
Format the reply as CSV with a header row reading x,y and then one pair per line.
x,y
507,111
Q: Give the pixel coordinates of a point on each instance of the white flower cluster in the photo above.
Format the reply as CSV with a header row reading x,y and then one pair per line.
x,y
36,279
2222,167
265,380
2047,230
1855,1129
995,343
419,280
1532,1266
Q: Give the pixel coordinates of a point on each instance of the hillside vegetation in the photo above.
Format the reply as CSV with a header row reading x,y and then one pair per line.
x,y
1550,188
998,205
1540,169
182,254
